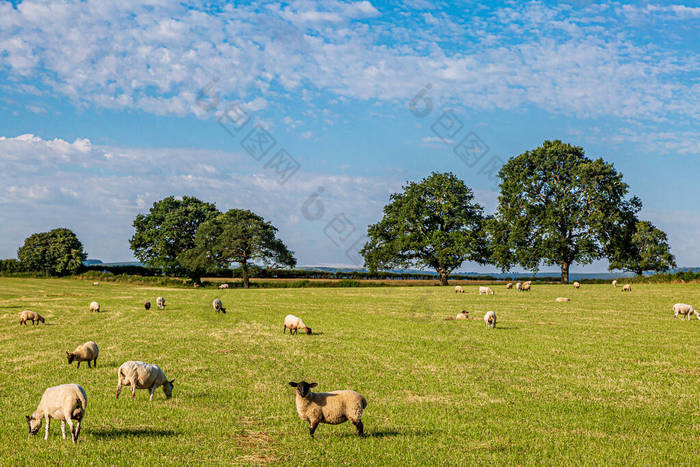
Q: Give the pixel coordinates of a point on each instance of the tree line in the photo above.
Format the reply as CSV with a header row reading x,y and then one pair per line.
x,y
556,207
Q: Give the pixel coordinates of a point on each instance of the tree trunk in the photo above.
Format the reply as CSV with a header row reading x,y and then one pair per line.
x,y
443,276
565,272
244,275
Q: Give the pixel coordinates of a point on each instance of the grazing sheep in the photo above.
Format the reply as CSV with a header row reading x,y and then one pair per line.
x,y
95,283
526,287
66,403
294,323
147,305
627,288
218,306
509,285
614,283
328,407
577,285
684,309
160,301
88,352
519,286
27,315
490,319
223,286
562,299
486,290
94,306
196,285
464,314
140,375
459,289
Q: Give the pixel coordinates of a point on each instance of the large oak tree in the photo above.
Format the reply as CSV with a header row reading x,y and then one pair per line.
x,y
56,253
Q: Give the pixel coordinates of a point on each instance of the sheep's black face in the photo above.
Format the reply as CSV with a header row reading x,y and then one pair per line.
x,y
70,357
34,425
303,388
308,330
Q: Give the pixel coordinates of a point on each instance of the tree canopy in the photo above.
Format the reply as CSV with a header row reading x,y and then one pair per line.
x,y
57,253
434,223
237,236
557,207
645,249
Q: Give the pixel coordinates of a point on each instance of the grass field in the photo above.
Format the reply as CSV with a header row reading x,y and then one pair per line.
x,y
608,378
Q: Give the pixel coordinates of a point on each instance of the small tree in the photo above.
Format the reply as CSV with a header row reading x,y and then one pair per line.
x,y
56,253
645,249
168,230
237,236
434,223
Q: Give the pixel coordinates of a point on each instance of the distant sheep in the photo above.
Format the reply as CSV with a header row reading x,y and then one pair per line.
x,y
218,306
562,299
140,375
519,286
223,286
95,283
160,301
32,316
94,306
614,283
294,323
66,403
627,288
490,319
509,285
486,290
526,287
684,309
459,289
464,314
328,407
577,285
147,305
88,352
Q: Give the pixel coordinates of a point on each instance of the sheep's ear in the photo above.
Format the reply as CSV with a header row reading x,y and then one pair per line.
x,y
171,381
28,417
313,385
293,384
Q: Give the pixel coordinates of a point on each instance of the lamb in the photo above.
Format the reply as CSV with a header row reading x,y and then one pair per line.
x,y
88,352
27,315
614,283
160,301
684,309
486,290
147,305
218,306
328,407
526,287
509,285
459,289
464,314
66,403
562,299
627,288
140,375
294,323
577,285
223,286
519,286
94,306
490,319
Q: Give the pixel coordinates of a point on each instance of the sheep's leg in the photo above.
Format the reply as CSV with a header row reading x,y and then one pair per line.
x,y
119,387
72,429
78,363
133,390
94,363
77,429
48,423
284,331
312,428
360,427
153,389
89,366
63,428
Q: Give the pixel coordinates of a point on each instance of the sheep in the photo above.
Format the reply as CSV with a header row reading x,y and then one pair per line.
x,y
490,319
509,285
147,305
562,299
464,314
160,301
486,290
218,306
614,283
223,286
459,289
684,309
94,306
328,407
140,375
627,288
519,286
294,323
27,315
95,284
577,285
88,352
66,403
526,287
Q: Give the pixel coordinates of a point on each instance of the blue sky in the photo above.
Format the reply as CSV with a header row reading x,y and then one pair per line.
x,y
109,106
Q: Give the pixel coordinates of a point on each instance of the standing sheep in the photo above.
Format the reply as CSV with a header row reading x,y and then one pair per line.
x,y
66,403
94,306
32,316
519,286
218,306
88,352
526,287
95,284
147,305
223,286
486,290
160,301
490,319
577,285
464,314
459,289
509,285
294,323
684,309
627,288
328,407
614,283
140,375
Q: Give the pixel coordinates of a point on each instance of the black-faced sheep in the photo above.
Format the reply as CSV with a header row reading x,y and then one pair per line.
x,y
218,306
94,306
490,319
684,309
328,407
140,375
88,352
294,323
160,301
32,316
147,305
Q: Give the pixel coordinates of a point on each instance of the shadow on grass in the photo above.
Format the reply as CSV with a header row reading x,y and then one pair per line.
x,y
387,433
127,432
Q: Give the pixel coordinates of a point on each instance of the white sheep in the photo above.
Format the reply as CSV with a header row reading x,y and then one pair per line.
x,y
160,301
218,306
614,283
486,290
32,316
95,284
140,375
519,286
684,309
88,352
66,403
509,285
464,314
526,287
459,289
223,286
294,323
490,319
328,407
627,288
577,285
562,299
94,306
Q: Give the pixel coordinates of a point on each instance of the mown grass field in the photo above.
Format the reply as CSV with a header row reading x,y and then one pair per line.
x,y
608,378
